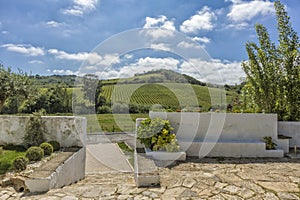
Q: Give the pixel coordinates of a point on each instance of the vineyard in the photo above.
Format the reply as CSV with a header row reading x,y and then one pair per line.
x,y
175,95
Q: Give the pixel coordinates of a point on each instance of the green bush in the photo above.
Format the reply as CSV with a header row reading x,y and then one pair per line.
x,y
13,147
1,150
35,130
157,135
34,153
269,143
55,144
20,163
48,148
103,110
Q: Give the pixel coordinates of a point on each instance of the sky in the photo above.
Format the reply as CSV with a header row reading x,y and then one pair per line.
x,y
118,38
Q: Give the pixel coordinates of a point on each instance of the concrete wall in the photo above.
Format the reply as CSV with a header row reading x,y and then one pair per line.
x,y
223,126
225,134
291,129
70,171
68,130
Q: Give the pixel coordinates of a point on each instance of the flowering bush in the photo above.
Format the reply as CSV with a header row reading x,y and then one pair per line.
x,y
157,134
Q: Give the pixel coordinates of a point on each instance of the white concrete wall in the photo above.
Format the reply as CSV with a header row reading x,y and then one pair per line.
x,y
291,129
68,130
224,126
70,171
225,134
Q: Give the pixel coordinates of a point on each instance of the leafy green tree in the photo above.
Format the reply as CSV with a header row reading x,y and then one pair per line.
x,y
272,82
14,84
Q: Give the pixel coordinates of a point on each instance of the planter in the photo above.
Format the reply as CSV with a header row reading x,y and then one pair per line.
x,y
164,155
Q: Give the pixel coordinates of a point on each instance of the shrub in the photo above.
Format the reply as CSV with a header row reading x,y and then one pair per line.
x,y
103,110
48,148
14,147
20,163
269,143
157,135
1,150
34,153
55,144
35,130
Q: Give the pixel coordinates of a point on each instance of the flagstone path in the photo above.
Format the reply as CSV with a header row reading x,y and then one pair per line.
x,y
194,179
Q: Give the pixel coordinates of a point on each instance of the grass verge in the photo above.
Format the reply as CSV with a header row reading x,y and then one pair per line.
x,y
6,159
127,151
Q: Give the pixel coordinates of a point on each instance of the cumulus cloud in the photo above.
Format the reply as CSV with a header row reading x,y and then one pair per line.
x,y
91,58
28,50
164,27
141,65
160,46
203,20
188,45
81,7
128,56
201,39
213,71
247,10
53,24
239,26
63,72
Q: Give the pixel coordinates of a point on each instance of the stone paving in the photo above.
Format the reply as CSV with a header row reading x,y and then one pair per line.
x,y
194,179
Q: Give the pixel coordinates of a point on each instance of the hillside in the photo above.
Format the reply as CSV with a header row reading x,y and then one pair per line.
x,y
157,76
165,87
167,94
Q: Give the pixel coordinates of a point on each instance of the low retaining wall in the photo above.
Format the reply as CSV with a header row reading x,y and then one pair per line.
x,y
291,129
225,134
237,127
70,171
68,130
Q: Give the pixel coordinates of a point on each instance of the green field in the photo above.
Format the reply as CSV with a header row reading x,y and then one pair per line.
x,y
108,122
177,95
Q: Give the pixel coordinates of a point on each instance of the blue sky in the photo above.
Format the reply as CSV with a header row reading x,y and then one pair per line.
x,y
57,37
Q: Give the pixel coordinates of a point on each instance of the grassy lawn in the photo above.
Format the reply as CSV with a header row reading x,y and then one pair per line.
x,y
127,151
112,122
6,159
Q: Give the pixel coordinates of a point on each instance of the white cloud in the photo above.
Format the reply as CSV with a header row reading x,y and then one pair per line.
x,y
69,56
62,72
201,39
203,20
28,50
214,71
128,56
92,58
160,46
141,65
239,26
165,27
36,62
53,24
247,10
4,32
188,45
81,7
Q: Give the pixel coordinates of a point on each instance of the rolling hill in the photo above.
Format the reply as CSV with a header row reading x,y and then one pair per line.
x,y
165,87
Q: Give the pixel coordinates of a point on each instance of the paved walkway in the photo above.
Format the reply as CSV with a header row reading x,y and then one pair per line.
x,y
106,157
206,178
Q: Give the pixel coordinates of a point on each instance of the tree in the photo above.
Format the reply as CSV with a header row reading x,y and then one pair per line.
x,y
90,83
92,88
272,82
14,84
